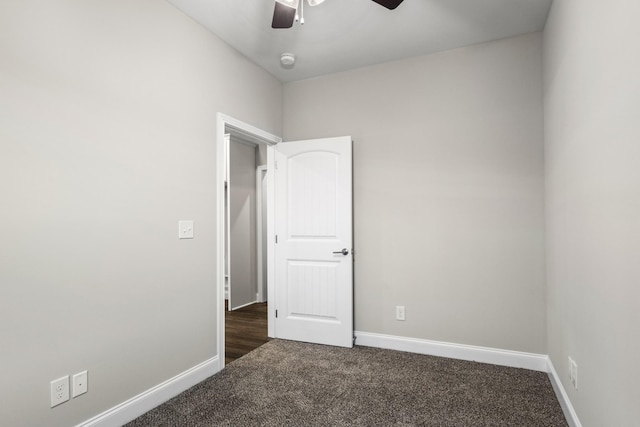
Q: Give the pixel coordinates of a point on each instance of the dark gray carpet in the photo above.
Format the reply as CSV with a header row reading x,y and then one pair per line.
x,y
298,384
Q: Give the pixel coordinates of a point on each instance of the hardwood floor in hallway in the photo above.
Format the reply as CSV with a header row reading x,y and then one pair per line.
x,y
245,330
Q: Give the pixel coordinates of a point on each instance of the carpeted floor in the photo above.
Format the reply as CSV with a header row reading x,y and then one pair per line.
x,y
298,384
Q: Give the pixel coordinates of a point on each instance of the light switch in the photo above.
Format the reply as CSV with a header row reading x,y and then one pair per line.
x,y
185,229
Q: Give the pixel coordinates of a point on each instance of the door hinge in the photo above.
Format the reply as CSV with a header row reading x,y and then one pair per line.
x,y
276,314
276,238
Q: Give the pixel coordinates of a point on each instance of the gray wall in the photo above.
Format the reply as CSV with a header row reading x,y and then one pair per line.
x,y
261,155
448,187
592,146
242,217
107,129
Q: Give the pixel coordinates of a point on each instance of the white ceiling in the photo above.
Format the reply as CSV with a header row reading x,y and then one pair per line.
x,y
343,34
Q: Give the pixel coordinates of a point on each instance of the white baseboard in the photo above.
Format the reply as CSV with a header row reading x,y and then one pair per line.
x,y
514,359
244,305
147,400
563,397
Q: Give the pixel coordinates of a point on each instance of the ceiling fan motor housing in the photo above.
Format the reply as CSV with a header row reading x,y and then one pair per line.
x,y
285,12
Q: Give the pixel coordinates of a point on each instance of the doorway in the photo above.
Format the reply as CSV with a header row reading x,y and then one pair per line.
x,y
244,306
314,293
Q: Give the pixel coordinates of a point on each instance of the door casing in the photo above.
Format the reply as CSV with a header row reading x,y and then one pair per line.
x,y
261,183
227,124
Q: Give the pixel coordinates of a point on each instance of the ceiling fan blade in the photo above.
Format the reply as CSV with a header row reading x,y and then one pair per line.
x,y
283,16
389,4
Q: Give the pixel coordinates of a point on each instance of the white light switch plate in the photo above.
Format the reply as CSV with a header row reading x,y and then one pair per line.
x,y
185,229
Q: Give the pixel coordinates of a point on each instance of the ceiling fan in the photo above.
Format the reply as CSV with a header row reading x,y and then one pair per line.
x,y
286,10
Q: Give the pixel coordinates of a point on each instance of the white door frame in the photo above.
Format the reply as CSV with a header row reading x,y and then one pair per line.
x,y
226,124
260,170
227,222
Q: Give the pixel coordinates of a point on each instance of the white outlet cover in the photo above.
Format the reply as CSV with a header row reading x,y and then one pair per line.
x,y
80,383
59,391
185,229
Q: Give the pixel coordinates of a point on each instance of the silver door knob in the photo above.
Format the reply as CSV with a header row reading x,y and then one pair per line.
x,y
344,252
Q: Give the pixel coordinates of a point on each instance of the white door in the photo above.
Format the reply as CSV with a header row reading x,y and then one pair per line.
x,y
313,253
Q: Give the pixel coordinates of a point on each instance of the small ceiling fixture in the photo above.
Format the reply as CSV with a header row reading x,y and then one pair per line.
x,y
288,11
288,60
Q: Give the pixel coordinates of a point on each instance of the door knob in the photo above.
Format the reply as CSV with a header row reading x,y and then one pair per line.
x,y
345,252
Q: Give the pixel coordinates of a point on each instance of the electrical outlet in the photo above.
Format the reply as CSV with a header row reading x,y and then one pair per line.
x,y
80,384
400,312
59,391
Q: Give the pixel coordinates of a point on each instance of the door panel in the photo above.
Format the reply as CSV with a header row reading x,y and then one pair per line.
x,y
314,278
312,291
312,194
